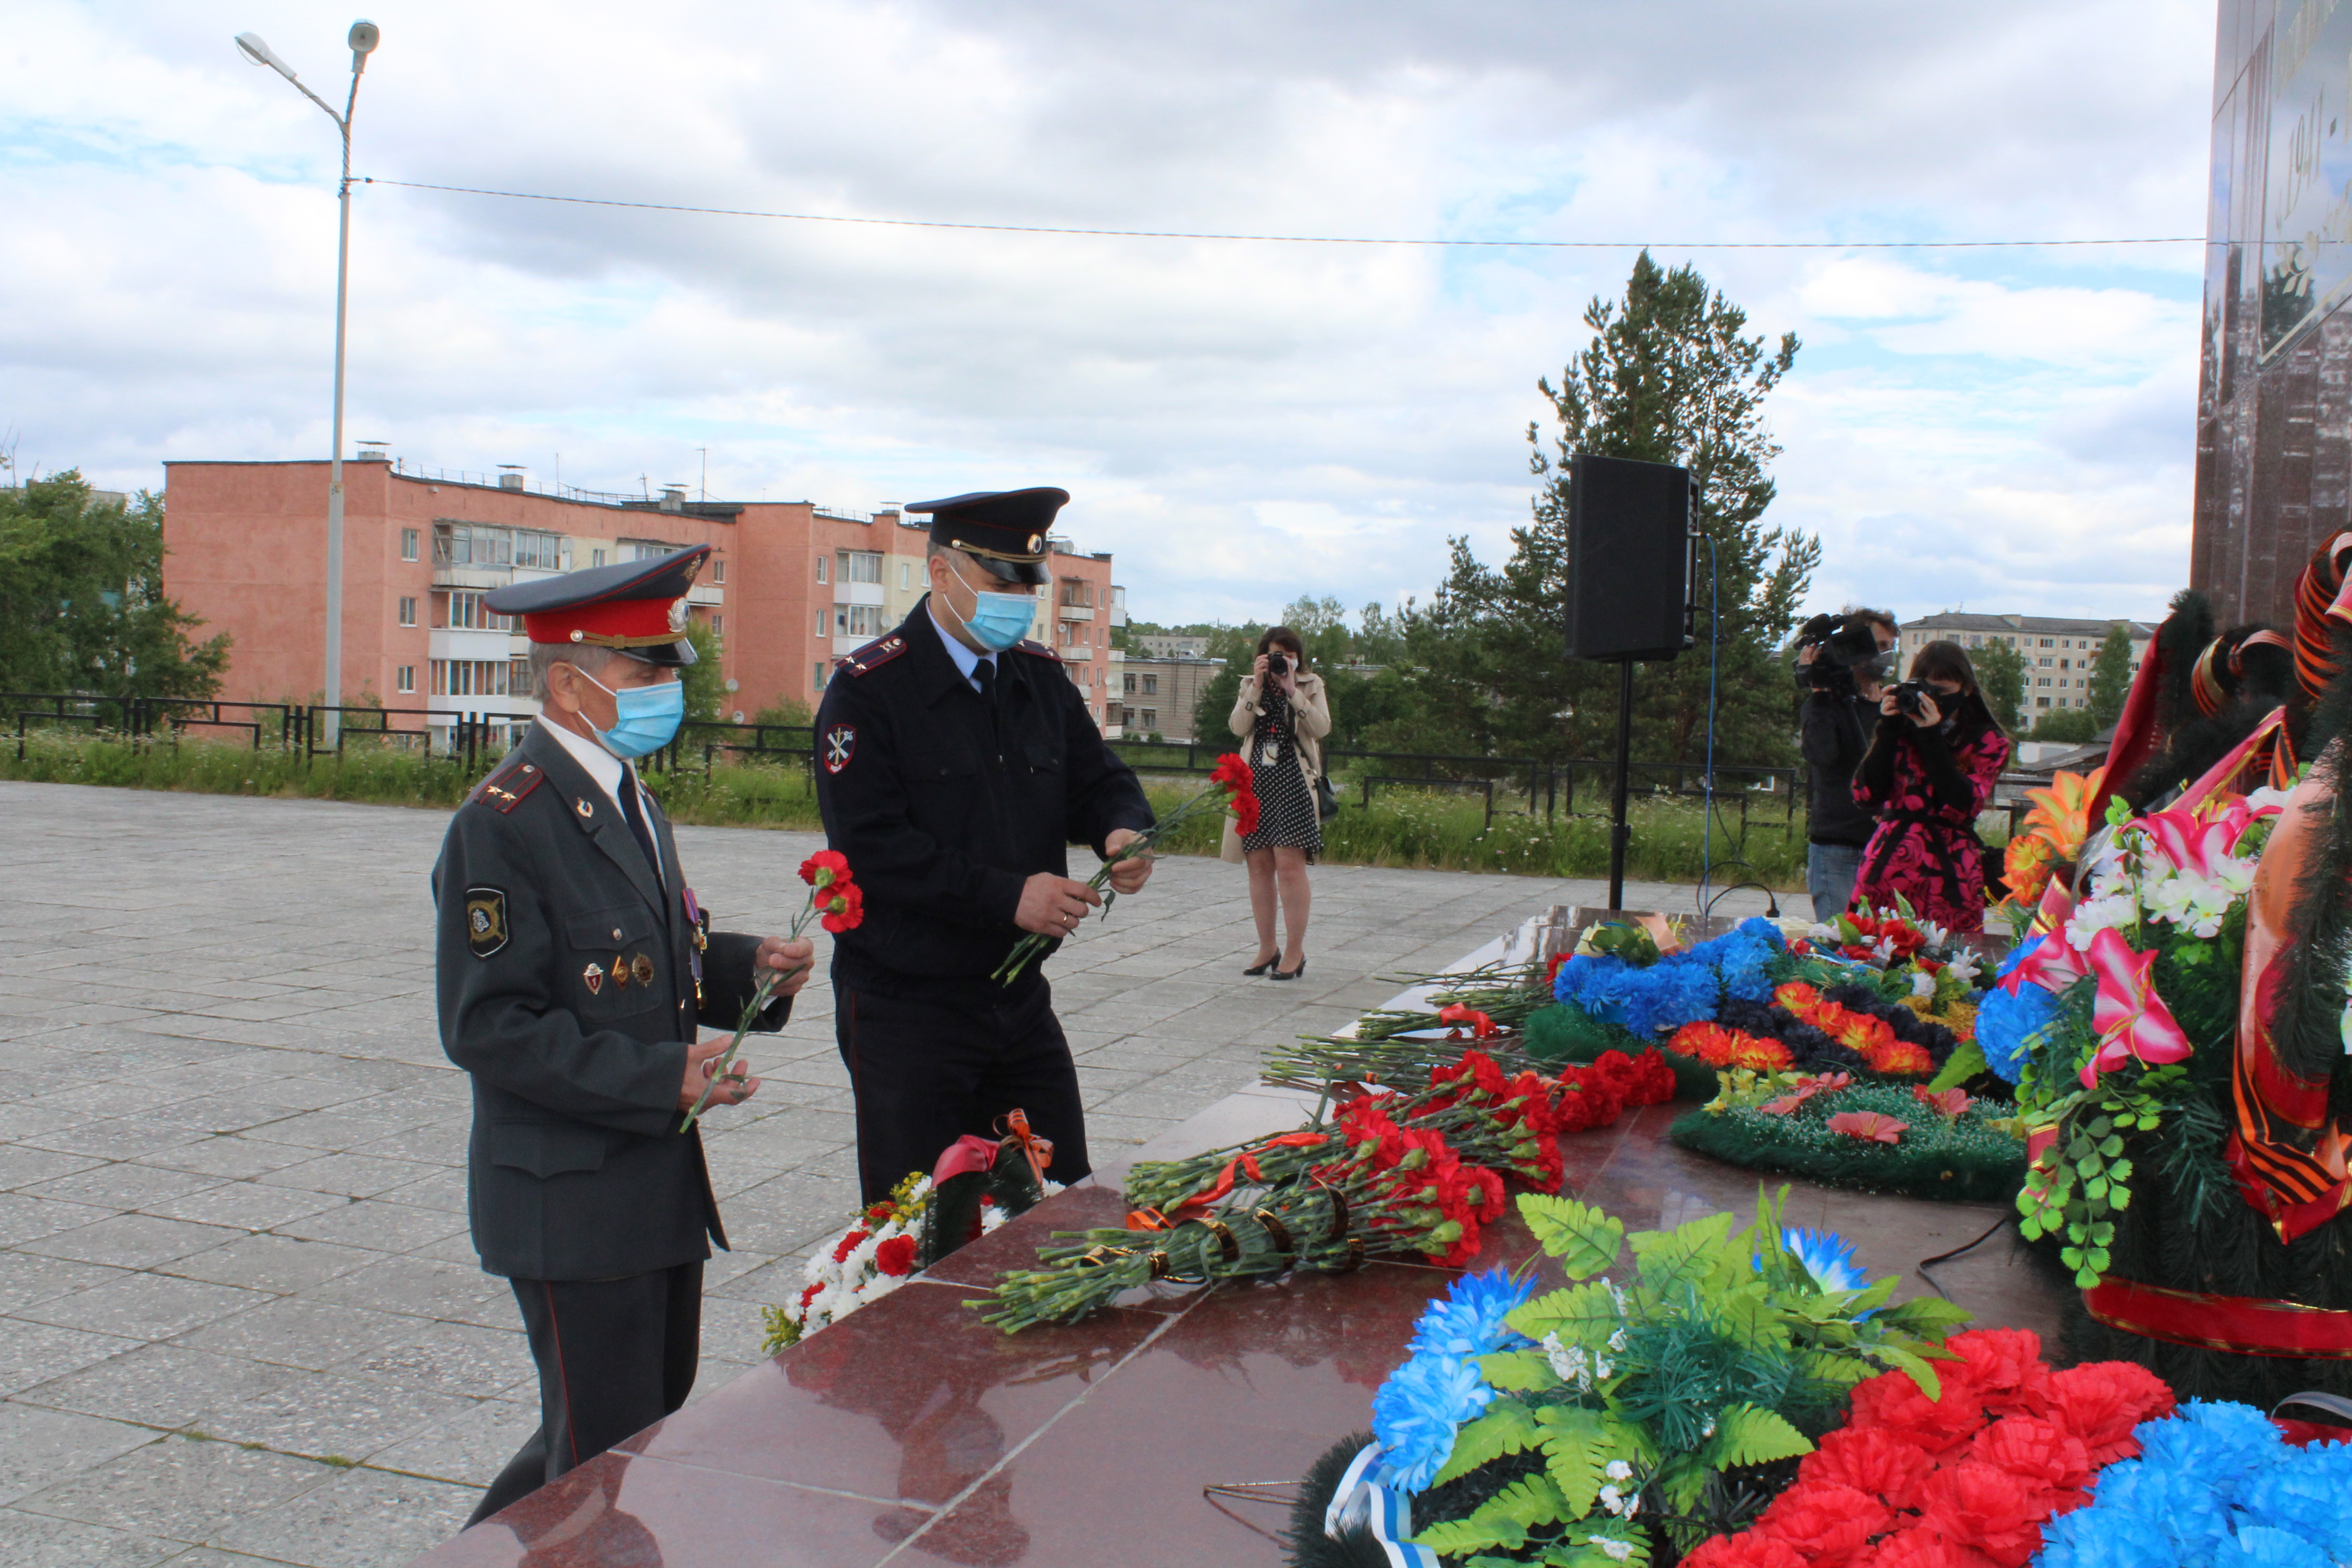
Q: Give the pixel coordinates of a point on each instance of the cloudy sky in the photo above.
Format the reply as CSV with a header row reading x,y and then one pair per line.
x,y
1241,423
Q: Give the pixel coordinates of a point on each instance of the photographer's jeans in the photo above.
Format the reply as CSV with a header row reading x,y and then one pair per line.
x,y
1829,873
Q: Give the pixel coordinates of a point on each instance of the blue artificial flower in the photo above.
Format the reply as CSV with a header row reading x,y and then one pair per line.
x,y
2098,1537
2302,1497
2259,1546
1828,1260
2007,1024
1747,962
1418,1410
1469,1321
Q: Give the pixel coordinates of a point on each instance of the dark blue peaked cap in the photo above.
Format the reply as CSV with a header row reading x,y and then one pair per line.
x,y
1004,530
638,606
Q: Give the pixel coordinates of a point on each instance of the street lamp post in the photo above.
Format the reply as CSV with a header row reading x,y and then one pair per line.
x,y
363,37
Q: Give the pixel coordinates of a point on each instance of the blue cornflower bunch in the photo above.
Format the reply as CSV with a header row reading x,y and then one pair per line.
x,y
2213,1482
1678,989
1425,1402
2007,1024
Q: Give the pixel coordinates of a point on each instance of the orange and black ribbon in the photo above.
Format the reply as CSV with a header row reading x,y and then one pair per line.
x,y
1038,1151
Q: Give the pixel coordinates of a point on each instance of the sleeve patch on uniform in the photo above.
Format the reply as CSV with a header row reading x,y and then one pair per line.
x,y
840,745
486,919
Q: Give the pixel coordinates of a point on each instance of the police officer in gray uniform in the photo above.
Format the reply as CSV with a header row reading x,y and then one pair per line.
x,y
573,964
957,764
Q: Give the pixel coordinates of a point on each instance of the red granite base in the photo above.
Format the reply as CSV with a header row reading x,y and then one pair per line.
x,y
912,1433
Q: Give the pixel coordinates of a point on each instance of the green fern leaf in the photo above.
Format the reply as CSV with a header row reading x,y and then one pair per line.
x,y
1584,1239
1518,1372
1749,1435
1507,1428
1573,1455
1580,1315
1688,1254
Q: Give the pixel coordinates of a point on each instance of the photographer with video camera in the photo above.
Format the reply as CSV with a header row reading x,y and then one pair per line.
x,y
1930,769
1840,665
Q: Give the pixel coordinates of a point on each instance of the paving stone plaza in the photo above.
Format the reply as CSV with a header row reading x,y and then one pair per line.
x,y
240,1321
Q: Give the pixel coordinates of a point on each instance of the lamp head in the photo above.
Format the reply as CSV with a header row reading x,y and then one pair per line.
x,y
365,36
259,53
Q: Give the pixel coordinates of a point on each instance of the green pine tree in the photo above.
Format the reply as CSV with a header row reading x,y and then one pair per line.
x,y
1668,377
2000,676
2111,677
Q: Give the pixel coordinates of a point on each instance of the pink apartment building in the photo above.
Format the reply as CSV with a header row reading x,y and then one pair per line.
x,y
790,588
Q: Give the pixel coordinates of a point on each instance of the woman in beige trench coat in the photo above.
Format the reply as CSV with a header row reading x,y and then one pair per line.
x,y
1282,716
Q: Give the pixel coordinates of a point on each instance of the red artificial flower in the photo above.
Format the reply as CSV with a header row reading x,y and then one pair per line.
x,y
1481,1027
1989,1511
1231,772
809,1295
1869,1126
1654,1079
1528,1096
1948,1103
2040,1454
1795,996
896,1256
1748,1549
1801,947
825,867
849,1244
1474,1067
2005,1364
1918,1547
1829,1526
1892,1402
1869,1459
1588,1104
1367,1121
1900,1059
1553,966
1246,810
2102,1402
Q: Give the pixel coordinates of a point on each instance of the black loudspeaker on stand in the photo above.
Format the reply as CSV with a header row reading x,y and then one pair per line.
x,y
1632,538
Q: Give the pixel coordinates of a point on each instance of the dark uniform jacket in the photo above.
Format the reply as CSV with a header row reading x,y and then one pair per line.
x,y
567,989
943,814
1834,732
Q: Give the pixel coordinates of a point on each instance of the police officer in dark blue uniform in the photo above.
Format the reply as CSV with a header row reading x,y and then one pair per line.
x,y
572,965
956,764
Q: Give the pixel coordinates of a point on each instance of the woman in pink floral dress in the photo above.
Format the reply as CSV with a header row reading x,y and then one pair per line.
x,y
1926,775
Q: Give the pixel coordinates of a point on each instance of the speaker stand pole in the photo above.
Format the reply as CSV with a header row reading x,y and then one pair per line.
x,y
1618,831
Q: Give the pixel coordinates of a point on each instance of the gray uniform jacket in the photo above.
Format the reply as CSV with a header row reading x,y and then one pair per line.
x,y
567,988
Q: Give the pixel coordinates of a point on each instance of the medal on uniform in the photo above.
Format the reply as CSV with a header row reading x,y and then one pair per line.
x,y
593,978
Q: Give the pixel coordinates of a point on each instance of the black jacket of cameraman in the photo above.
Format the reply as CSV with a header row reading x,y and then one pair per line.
x,y
1833,733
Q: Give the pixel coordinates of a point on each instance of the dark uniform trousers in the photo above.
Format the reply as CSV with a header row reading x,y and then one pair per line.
x,y
946,800
571,982
927,1070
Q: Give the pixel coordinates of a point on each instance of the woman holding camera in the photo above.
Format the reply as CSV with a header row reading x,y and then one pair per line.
x,y
1282,715
1930,771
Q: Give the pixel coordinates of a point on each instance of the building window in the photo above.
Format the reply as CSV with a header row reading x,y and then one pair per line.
x,y
857,620
409,542
1151,718
440,678
860,566
466,613
2044,662
408,611
1130,683
906,574
2046,642
1151,686
820,622
405,680
820,574
2065,664
816,677
518,678
2041,681
476,544
719,625
718,570
2042,702
1078,593
596,558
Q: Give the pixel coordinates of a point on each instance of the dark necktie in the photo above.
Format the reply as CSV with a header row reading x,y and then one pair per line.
x,y
985,673
634,815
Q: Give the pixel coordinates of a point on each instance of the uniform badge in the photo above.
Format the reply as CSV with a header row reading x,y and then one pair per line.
x,y
641,969
593,978
486,919
840,745
620,974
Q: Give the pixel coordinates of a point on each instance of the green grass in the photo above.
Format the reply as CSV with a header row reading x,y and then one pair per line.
x,y
1434,830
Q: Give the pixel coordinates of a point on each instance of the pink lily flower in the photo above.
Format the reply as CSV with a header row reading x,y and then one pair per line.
x,y
2053,964
2133,1022
2197,844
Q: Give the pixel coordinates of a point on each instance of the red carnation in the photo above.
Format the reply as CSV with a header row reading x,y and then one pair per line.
x,y
896,1256
1245,809
849,1244
1829,1526
1654,1079
2101,1403
825,867
1919,1547
1749,1548
2007,1365
1231,772
1989,1510
809,1295
1892,1401
1869,1459
842,907
2040,1454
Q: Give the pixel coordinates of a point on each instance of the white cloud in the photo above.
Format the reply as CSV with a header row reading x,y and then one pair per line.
x,y
1239,423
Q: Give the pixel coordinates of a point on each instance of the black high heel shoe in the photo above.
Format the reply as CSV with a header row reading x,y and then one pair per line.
x,y
1261,968
1295,973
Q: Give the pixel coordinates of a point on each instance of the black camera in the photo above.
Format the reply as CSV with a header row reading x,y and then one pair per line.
x,y
1277,663
1840,642
1908,697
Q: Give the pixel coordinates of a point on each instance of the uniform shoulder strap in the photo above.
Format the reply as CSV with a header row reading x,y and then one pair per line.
x,y
874,654
1036,649
504,789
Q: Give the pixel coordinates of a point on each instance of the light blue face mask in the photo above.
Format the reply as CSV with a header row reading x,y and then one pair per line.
x,y
647,719
999,620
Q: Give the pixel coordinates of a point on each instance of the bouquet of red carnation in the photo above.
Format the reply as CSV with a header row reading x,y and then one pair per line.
x,y
1597,1093
835,901
1962,1480
1229,790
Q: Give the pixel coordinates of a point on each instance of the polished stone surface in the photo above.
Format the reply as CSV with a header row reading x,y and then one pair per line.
x,y
232,1152
911,1433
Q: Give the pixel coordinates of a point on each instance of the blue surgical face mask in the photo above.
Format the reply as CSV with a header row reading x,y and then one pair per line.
x,y
647,719
999,620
